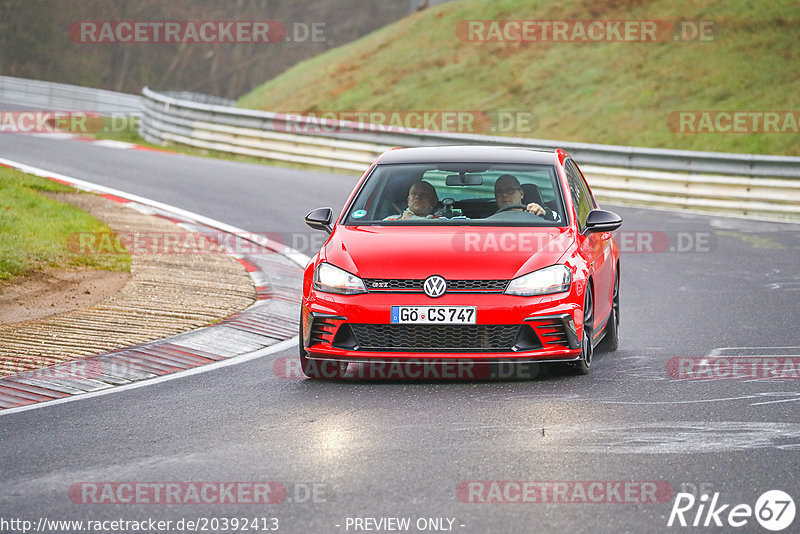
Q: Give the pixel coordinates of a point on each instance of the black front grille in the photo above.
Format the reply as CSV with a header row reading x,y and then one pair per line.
x,y
392,284
378,285
477,285
427,337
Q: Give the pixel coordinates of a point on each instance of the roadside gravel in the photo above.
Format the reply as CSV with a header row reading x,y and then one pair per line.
x,y
169,292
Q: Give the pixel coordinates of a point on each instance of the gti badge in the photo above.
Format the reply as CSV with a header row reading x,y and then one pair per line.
x,y
434,286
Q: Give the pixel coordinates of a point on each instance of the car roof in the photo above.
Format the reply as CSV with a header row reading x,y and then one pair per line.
x,y
470,154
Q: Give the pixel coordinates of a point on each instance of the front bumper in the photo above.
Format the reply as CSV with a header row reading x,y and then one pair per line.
x,y
358,328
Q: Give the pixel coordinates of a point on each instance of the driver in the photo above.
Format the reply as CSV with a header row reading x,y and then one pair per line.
x,y
507,192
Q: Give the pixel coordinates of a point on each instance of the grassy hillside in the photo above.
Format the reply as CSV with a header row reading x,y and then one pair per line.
x,y
598,92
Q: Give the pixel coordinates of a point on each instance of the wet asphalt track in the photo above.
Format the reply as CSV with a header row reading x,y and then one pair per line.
x,y
401,449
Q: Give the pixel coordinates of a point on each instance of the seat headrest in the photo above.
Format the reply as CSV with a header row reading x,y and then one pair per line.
x,y
530,193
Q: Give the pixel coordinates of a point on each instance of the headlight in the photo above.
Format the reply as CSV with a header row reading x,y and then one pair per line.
x,y
332,279
553,279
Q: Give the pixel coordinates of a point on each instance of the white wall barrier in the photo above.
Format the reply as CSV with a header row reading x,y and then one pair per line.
x,y
34,94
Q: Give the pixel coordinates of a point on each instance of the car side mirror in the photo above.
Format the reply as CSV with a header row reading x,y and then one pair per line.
x,y
602,221
320,219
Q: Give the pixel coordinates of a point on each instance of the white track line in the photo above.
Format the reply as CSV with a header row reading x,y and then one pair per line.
x,y
242,358
294,255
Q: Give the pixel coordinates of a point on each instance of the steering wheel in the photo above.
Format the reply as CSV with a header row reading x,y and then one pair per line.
x,y
523,207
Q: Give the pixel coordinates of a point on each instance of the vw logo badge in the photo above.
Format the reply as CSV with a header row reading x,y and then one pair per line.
x,y
434,286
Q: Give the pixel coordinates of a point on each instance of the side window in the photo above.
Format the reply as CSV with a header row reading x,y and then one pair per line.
x,y
592,203
580,193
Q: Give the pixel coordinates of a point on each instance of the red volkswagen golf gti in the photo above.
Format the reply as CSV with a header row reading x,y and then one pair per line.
x,y
462,254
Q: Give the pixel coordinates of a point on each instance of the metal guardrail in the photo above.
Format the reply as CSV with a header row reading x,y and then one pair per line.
x,y
765,186
34,94
609,155
755,185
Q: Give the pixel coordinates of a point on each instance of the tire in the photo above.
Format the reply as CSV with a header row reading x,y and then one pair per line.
x,y
318,369
610,342
584,364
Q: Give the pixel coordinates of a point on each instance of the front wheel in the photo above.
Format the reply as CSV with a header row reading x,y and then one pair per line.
x,y
611,340
584,364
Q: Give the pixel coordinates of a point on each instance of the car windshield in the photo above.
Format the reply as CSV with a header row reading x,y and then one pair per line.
x,y
458,194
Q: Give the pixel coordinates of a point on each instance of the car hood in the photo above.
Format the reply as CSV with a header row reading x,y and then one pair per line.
x,y
457,253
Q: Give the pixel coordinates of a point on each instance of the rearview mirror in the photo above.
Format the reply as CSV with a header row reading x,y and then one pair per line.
x,y
464,179
320,219
602,221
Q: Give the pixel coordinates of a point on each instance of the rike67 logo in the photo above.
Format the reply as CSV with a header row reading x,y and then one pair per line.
x,y
774,510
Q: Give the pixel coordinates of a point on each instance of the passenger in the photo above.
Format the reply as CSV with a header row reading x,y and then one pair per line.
x,y
422,200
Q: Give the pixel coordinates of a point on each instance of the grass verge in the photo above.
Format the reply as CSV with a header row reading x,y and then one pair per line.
x,y
35,230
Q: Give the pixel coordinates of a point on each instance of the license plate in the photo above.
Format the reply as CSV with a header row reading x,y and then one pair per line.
x,y
433,314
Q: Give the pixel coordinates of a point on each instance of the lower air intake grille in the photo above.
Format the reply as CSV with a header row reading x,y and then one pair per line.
x,y
433,338
322,331
552,332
